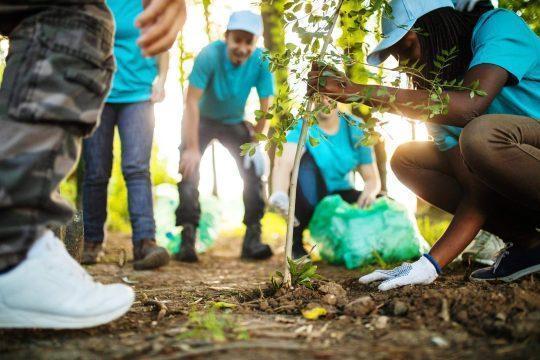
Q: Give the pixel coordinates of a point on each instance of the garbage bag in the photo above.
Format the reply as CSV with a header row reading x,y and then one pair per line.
x,y
348,235
169,235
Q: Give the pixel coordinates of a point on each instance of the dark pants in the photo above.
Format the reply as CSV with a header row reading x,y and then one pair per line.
x,y
232,137
135,122
310,190
57,75
503,152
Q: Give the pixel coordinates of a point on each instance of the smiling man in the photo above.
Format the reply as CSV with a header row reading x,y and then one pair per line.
x,y
223,75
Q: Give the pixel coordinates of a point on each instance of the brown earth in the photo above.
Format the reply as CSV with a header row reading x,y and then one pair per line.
x,y
452,318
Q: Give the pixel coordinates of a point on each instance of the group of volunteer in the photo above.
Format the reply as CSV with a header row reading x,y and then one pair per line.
x,y
482,164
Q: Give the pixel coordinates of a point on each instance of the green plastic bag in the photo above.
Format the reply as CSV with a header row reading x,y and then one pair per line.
x,y
354,237
169,235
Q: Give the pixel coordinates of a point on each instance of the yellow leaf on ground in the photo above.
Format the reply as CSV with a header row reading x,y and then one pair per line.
x,y
314,314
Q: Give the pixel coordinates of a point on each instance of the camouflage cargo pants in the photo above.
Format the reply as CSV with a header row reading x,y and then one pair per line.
x,y
58,72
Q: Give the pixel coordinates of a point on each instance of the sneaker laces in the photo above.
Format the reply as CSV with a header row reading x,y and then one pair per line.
x,y
500,255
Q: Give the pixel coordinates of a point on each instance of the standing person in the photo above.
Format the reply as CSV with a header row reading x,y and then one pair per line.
x,y
484,163
138,83
320,174
57,75
222,77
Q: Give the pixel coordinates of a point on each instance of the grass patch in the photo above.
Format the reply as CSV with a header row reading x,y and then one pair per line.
x,y
212,325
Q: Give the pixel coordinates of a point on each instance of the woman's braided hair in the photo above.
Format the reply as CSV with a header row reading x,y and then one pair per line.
x,y
444,29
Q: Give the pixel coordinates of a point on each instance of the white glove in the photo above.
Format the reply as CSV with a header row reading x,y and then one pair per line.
x,y
258,161
422,271
469,4
279,202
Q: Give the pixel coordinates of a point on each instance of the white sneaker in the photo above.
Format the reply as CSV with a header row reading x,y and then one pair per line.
x,y
49,289
483,249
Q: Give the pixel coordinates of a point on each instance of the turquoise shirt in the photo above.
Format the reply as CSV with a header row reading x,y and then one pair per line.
x,y
336,155
132,81
226,86
502,38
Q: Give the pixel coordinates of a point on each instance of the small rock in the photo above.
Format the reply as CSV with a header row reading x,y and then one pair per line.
x,y
380,322
400,308
501,316
439,341
462,316
360,307
330,299
333,288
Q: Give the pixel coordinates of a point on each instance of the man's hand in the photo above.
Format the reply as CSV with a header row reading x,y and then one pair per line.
x,y
158,92
327,80
366,199
189,161
257,161
160,23
421,271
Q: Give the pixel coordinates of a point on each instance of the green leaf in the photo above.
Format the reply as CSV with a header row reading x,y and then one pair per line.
x,y
313,141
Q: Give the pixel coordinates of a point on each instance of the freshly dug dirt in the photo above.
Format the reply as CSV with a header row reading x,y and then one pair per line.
x,y
452,318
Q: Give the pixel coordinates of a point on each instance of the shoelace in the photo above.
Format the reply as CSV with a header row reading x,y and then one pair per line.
x,y
504,251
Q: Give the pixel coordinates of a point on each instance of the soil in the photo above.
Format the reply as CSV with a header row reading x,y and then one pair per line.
x,y
452,318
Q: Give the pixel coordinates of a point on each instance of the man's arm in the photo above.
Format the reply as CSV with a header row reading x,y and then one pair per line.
x,y
261,127
158,88
372,184
190,154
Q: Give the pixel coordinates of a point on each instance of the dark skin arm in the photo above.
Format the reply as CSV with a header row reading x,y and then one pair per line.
x,y
471,213
461,109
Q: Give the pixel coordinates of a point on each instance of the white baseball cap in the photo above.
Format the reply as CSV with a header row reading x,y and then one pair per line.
x,y
404,15
247,21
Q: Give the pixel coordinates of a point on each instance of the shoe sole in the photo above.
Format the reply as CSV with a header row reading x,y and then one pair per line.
x,y
20,319
155,260
513,277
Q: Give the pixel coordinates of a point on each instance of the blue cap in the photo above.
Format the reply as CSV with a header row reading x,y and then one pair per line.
x,y
395,26
247,21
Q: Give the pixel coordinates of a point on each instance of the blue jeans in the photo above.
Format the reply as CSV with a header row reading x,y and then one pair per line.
x,y
135,123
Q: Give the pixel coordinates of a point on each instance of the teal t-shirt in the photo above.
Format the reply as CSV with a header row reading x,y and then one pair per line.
x,y
132,81
502,38
336,155
225,86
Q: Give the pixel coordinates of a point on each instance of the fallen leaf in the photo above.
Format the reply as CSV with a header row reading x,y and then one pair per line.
x,y
314,314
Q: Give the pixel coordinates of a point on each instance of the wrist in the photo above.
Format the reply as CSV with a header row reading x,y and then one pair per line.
x,y
434,263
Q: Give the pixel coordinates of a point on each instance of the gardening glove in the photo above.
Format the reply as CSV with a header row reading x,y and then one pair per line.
x,y
469,4
279,202
423,271
256,160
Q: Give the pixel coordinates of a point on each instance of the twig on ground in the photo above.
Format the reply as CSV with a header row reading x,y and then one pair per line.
x,y
159,305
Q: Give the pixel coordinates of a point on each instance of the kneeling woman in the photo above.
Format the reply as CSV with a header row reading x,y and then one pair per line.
x,y
484,165
325,169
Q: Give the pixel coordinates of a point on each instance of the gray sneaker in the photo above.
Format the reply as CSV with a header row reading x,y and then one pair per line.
x,y
483,249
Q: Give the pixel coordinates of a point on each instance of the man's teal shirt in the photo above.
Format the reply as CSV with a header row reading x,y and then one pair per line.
x,y
226,86
132,81
502,38
336,155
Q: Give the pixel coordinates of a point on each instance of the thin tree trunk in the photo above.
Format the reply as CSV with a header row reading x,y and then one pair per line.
x,y
298,156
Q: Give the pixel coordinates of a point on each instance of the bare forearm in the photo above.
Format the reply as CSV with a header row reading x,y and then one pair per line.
x,y
281,178
190,126
467,221
261,126
163,66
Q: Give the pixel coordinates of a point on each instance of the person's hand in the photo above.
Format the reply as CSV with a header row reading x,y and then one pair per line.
x,y
189,161
257,161
327,80
421,271
366,199
158,92
469,4
279,202
160,23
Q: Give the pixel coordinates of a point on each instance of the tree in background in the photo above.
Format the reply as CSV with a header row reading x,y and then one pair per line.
x,y
529,10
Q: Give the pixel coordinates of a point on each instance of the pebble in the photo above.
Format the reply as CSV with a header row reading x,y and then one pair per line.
x,y
400,308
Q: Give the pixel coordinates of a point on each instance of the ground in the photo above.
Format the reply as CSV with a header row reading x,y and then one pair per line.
x,y
452,318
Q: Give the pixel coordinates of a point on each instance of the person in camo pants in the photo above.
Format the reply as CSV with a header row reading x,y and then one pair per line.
x,y
58,72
